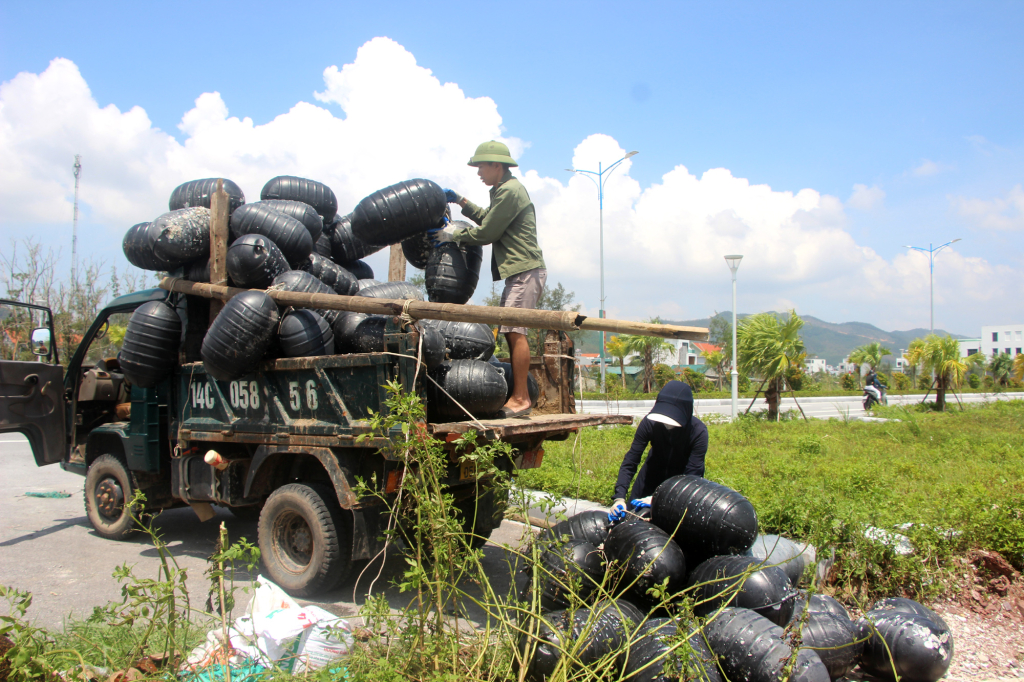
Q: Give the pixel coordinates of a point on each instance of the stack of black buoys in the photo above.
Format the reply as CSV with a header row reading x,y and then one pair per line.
x,y
197,271
304,333
198,193
818,603
466,340
404,291
395,213
360,333
322,246
253,261
706,518
361,270
138,245
566,567
290,188
648,655
452,272
150,349
331,274
906,636
833,638
367,282
532,388
182,236
305,283
590,634
344,326
750,648
240,335
345,246
417,250
590,526
304,213
648,557
290,235
744,582
475,385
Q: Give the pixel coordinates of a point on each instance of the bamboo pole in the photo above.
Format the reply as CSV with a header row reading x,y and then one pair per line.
x,y
563,320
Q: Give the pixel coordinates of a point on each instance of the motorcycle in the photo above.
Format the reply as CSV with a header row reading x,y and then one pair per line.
x,y
874,395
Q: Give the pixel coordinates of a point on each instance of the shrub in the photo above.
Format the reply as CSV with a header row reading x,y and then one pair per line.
x,y
795,378
974,381
849,382
901,381
924,382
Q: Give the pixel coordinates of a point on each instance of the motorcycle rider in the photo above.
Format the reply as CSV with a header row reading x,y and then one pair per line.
x,y
873,386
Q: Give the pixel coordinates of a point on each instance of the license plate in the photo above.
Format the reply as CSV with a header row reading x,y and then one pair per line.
x,y
467,471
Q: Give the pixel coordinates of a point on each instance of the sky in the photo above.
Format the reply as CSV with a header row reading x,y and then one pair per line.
x,y
816,139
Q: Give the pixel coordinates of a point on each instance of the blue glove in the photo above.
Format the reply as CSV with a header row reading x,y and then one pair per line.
x,y
451,197
617,512
440,235
640,504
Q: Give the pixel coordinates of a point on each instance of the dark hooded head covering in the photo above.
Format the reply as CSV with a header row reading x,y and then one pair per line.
x,y
675,401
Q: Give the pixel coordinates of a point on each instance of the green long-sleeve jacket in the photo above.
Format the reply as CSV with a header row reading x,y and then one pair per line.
x,y
509,224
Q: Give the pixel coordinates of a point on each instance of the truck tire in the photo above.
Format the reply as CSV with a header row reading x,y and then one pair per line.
x,y
305,542
108,487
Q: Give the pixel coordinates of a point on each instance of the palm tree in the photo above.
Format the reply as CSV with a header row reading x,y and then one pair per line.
x,y
649,348
1001,367
1018,367
941,356
716,359
869,354
768,347
616,347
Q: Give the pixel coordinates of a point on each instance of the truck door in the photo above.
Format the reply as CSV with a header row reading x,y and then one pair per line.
x,y
32,392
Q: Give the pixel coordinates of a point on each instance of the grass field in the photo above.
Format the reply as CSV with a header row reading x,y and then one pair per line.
x,y
958,477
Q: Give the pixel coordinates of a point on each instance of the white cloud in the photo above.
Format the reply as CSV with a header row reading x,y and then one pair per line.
x,y
865,198
663,243
927,167
1005,213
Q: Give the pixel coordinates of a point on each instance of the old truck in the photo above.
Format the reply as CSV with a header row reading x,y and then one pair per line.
x,y
285,436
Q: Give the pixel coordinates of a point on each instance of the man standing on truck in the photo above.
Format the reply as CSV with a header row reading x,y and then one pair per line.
x,y
679,443
509,224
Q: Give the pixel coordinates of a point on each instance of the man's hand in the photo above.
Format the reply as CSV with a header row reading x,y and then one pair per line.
x,y
617,511
642,503
451,197
439,236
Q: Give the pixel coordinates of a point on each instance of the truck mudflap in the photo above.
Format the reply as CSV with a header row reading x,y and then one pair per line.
x,y
32,403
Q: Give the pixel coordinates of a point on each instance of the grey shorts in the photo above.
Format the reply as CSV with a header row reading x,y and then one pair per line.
x,y
523,291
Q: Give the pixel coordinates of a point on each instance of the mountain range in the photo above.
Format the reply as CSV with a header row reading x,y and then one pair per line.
x,y
829,340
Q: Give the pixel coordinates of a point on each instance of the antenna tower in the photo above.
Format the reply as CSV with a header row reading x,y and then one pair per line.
x,y
77,168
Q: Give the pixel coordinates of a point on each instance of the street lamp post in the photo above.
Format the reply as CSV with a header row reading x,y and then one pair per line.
x,y
931,251
734,264
599,181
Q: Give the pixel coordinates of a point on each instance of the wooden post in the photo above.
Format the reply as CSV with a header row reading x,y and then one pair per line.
x,y
396,265
218,243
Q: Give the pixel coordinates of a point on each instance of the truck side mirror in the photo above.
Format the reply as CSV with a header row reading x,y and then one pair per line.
x,y
41,341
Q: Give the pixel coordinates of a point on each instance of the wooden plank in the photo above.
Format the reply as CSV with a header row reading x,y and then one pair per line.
x,y
219,205
546,423
396,264
565,320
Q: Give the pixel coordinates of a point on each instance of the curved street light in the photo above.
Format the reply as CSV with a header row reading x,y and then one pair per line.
x,y
598,178
733,261
931,275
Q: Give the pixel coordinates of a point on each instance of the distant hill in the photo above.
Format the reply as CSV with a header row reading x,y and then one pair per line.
x,y
829,340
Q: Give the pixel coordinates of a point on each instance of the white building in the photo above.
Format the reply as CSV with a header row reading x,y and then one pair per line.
x,y
815,365
1006,338
969,347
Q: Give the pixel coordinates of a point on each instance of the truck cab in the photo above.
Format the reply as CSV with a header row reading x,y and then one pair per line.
x,y
284,444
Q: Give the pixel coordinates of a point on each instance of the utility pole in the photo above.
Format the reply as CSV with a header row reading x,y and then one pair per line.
x,y
77,168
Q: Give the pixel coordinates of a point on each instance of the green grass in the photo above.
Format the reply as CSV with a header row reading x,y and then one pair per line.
x,y
811,393
825,481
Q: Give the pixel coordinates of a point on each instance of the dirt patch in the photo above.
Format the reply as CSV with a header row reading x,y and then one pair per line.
x,y
5,665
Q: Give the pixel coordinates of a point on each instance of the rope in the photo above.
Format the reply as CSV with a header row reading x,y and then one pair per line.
x,y
405,317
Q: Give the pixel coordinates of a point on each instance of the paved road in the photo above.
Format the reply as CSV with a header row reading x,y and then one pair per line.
x,y
824,407
48,547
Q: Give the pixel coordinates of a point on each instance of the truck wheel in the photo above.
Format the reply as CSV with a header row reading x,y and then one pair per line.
x,y
304,539
108,487
486,511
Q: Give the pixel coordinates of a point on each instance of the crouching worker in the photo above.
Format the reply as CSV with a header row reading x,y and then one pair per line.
x,y
678,440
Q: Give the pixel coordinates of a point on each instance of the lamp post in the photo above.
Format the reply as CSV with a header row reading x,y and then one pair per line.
x,y
733,262
599,181
931,251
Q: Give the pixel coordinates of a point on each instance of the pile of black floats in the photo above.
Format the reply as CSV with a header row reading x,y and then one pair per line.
x,y
293,239
695,593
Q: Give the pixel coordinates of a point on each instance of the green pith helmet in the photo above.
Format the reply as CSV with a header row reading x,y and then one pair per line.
x,y
492,151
